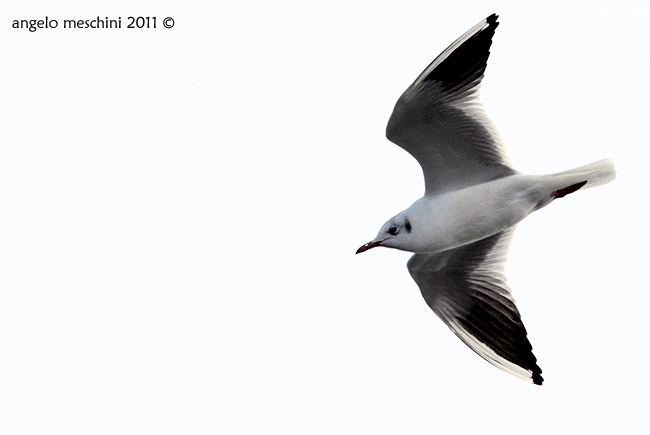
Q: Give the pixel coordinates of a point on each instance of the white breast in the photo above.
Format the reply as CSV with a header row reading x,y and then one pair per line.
x,y
456,218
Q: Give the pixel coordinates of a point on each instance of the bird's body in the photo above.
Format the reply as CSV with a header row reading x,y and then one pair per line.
x,y
461,228
466,215
463,216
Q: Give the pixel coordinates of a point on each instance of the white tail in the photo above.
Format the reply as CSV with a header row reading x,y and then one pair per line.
x,y
597,173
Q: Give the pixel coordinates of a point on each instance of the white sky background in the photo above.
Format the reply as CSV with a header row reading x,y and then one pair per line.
x,y
180,209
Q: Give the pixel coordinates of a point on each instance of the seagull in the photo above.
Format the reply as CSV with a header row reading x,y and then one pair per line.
x,y
462,227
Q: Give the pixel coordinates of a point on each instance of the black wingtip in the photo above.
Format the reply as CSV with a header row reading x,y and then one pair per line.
x,y
462,65
537,378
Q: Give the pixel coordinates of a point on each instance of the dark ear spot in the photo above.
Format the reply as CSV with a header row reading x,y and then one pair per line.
x,y
407,225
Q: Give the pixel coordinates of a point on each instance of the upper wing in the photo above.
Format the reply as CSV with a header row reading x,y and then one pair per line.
x,y
440,121
466,288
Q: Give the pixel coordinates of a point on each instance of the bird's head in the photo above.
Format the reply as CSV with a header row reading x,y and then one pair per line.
x,y
396,233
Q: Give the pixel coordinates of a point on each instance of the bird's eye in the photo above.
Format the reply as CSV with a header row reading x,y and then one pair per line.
x,y
392,230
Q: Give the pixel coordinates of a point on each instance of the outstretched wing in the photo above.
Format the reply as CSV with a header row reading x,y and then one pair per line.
x,y
466,288
440,121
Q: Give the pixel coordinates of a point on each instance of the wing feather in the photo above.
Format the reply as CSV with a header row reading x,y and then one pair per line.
x,y
466,288
440,121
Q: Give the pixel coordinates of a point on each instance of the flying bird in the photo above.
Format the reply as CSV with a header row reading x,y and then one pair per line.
x,y
461,229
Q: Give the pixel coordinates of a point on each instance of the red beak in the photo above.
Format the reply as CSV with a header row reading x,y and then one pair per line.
x,y
369,245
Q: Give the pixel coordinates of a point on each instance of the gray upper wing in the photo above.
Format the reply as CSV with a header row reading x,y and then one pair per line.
x,y
440,121
466,288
